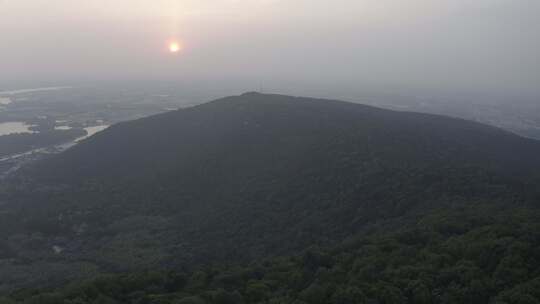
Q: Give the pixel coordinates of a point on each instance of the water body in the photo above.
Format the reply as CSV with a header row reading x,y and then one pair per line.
x,y
19,160
15,92
92,131
8,128
4,101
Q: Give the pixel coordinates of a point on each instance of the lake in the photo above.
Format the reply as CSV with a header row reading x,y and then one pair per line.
x,y
91,131
24,91
7,128
4,101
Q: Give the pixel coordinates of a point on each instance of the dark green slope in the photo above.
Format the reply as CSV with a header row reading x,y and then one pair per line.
x,y
253,176
256,133
261,170
474,255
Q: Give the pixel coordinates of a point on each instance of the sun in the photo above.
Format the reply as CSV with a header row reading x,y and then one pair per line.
x,y
175,47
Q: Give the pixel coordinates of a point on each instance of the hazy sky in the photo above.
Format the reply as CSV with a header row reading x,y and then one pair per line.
x,y
451,44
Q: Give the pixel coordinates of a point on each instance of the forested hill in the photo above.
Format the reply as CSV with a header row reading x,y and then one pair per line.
x,y
254,176
263,169
254,133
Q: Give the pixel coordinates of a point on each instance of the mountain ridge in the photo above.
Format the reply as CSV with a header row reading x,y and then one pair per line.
x,y
254,176
250,110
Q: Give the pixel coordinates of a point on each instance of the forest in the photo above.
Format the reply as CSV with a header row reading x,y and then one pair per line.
x,y
480,254
276,199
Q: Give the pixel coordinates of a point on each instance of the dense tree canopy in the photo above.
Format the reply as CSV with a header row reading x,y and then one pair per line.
x,y
274,199
464,255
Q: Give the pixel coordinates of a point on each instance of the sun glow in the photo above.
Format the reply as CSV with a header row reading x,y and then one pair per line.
x,y
175,47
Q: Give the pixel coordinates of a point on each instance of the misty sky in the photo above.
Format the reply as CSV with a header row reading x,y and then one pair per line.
x,y
449,44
